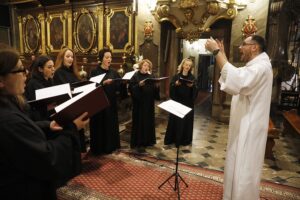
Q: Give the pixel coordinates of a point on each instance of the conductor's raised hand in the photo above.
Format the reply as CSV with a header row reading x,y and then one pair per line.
x,y
221,45
81,121
211,45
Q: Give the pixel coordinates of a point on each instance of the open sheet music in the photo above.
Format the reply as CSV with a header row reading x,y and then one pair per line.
x,y
175,108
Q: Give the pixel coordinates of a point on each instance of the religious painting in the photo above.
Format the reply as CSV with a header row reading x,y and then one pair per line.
x,y
32,34
56,31
85,31
119,30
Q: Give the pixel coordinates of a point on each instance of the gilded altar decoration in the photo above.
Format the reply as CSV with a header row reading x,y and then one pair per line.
x,y
191,18
31,34
85,31
119,28
148,29
249,27
188,3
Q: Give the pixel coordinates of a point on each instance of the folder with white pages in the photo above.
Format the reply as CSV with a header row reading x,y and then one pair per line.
x,y
175,108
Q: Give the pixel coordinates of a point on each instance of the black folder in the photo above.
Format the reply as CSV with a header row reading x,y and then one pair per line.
x,y
187,81
155,80
92,102
50,100
80,83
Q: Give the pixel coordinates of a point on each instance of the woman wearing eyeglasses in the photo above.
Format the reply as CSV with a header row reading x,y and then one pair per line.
x,y
42,76
30,165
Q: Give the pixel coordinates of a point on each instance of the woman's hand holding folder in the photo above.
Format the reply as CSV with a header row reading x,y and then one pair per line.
x,y
81,121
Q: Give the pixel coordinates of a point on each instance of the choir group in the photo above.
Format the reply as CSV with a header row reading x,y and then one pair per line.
x,y
39,155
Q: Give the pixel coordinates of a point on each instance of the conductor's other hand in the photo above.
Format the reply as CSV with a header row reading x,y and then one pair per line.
x,y
55,126
81,121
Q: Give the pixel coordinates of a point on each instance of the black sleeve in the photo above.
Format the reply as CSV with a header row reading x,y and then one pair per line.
x,y
27,149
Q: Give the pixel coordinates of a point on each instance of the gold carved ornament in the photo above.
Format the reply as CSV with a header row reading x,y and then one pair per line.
x,y
249,27
193,17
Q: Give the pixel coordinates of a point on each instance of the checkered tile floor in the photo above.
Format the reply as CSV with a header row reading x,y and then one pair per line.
x,y
209,146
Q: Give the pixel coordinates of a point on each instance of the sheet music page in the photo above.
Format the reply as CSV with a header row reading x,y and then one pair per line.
x,y
70,101
128,75
97,79
175,108
84,88
53,91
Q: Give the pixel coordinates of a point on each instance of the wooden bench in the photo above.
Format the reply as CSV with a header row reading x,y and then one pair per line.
x,y
291,122
273,133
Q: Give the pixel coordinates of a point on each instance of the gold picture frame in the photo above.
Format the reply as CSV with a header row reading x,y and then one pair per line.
x,y
85,30
56,31
119,29
31,34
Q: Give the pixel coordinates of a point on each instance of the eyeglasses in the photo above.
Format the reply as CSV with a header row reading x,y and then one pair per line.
x,y
23,70
245,44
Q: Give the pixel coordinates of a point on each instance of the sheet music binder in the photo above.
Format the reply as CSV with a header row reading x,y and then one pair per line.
x,y
184,80
50,100
155,80
92,102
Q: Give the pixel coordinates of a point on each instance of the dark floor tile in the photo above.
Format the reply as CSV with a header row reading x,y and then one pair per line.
x,y
206,155
211,141
209,147
202,164
185,151
279,180
181,160
276,168
214,136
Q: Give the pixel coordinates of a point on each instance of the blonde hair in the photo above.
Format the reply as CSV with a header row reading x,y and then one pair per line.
x,y
180,68
145,61
60,60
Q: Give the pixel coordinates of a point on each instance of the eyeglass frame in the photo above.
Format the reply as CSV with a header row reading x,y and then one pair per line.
x,y
246,44
24,71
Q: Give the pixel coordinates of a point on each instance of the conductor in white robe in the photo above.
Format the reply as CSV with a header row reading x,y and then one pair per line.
x,y
251,88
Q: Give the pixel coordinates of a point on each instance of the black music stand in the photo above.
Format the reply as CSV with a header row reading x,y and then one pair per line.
x,y
180,111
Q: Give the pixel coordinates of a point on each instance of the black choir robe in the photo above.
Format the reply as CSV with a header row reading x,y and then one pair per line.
x,y
104,126
180,131
143,121
37,81
30,165
66,75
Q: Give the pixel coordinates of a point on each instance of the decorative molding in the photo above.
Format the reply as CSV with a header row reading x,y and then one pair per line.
x,y
249,27
198,16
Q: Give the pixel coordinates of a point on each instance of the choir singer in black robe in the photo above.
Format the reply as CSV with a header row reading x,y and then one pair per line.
x,y
183,90
144,93
104,126
30,165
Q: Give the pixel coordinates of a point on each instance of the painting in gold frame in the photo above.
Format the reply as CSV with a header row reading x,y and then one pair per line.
x,y
119,29
56,34
32,34
85,31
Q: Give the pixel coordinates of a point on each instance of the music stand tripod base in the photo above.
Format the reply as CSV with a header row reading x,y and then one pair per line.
x,y
176,175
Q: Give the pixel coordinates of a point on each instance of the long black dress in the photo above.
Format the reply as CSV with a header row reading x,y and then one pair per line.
x,y
36,82
104,126
31,165
143,121
66,75
180,131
